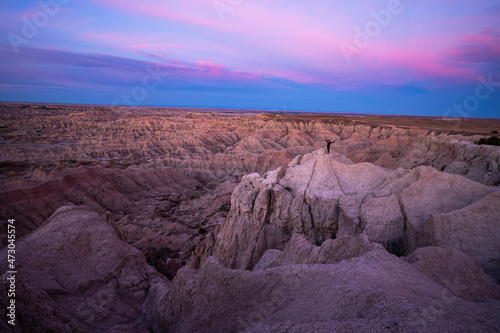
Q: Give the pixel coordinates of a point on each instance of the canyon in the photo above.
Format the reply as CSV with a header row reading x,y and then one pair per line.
x,y
143,219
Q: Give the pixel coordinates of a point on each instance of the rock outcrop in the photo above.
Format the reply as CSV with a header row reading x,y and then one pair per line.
x,y
96,280
326,196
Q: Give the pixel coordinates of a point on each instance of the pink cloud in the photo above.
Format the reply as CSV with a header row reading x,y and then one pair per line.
x,y
480,48
214,70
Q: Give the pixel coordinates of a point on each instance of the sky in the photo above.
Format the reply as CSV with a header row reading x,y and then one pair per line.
x,y
401,57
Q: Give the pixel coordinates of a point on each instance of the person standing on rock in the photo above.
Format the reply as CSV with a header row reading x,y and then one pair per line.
x,y
328,143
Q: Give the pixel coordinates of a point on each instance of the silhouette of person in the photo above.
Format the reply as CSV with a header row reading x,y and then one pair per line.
x,y
328,143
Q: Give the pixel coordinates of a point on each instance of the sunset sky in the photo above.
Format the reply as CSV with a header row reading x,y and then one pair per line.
x,y
419,57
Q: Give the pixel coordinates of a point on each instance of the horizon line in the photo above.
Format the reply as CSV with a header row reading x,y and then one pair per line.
x,y
340,113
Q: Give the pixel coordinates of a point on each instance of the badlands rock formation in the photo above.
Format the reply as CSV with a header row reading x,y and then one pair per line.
x,y
327,196
37,139
179,220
